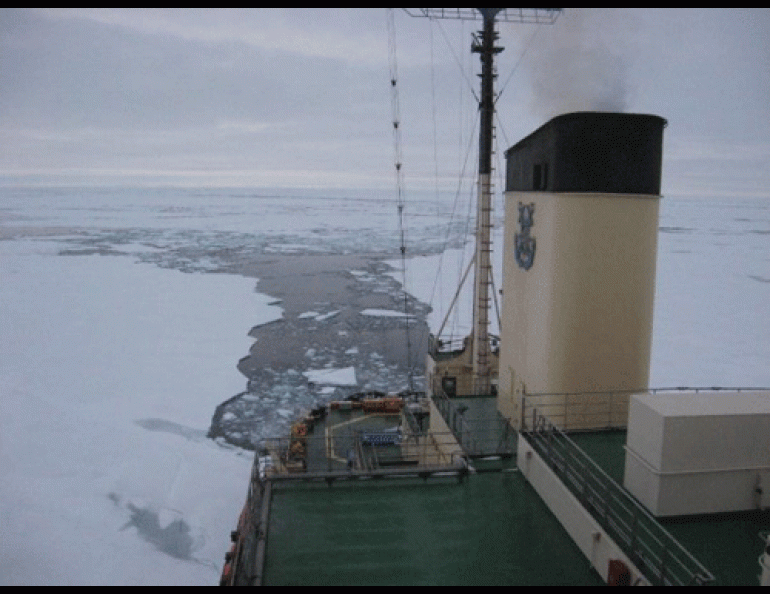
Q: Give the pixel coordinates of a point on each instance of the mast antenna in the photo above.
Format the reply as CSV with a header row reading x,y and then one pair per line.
x,y
484,44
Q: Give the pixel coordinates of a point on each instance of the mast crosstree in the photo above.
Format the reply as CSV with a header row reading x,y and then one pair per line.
x,y
485,44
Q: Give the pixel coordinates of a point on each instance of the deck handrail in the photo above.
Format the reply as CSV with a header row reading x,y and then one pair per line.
x,y
355,455
606,409
657,554
469,438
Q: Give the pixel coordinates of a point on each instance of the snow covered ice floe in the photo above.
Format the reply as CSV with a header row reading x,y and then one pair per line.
x,y
92,348
332,377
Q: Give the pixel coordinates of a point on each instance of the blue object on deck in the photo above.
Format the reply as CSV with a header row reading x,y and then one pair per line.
x,y
381,439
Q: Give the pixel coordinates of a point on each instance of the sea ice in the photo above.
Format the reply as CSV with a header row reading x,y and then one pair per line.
x,y
332,377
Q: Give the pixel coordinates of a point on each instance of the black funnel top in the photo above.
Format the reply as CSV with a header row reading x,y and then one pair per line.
x,y
590,152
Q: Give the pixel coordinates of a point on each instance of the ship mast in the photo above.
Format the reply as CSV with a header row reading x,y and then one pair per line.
x,y
484,44
486,48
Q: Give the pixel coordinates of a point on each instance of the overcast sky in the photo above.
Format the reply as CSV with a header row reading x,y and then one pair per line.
x,y
296,97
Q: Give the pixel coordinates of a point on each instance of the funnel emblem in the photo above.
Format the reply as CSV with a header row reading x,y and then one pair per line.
x,y
524,243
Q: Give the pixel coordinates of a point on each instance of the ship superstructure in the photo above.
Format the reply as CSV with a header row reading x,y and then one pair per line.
x,y
545,459
582,201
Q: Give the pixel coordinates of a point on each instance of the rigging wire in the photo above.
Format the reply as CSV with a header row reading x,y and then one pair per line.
x,y
463,165
468,81
527,47
501,128
401,205
513,71
466,231
435,150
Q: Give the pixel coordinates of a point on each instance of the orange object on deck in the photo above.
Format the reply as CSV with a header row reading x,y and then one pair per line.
x,y
390,405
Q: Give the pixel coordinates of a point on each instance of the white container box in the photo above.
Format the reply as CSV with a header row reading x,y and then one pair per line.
x,y
697,453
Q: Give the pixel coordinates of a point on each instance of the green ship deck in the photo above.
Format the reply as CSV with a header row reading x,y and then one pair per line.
x,y
489,529
393,521
727,544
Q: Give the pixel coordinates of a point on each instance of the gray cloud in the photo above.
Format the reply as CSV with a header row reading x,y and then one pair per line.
x,y
281,95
